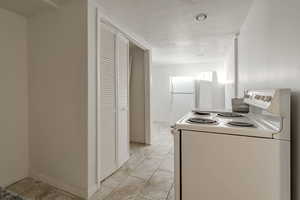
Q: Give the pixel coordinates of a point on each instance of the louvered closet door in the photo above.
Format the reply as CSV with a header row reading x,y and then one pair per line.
x,y
122,99
107,103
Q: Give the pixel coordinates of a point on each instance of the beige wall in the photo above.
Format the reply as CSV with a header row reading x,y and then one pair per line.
x,y
14,98
58,96
137,96
269,49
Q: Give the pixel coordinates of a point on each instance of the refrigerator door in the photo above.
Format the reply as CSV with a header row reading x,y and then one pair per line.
x,y
180,84
182,97
205,95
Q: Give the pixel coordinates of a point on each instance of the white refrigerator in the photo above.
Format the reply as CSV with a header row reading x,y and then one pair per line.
x,y
182,97
188,93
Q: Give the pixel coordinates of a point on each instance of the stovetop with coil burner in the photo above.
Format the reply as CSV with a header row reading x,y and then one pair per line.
x,y
213,117
268,117
225,114
224,122
205,119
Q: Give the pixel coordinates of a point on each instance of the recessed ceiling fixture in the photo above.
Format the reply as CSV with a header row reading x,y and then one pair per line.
x,y
201,17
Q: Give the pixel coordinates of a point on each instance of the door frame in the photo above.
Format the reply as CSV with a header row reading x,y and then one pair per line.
x,y
148,119
102,18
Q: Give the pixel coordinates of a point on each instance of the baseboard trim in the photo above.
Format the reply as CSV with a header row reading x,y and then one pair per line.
x,y
78,191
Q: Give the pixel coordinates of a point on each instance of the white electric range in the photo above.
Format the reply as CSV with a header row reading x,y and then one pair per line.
x,y
230,156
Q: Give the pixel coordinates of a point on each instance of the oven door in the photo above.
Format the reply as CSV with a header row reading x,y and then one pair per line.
x,y
228,167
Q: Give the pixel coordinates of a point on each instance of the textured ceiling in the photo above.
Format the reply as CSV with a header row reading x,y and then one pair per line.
x,y
169,26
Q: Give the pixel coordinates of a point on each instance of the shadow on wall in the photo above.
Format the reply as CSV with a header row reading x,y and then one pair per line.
x,y
295,100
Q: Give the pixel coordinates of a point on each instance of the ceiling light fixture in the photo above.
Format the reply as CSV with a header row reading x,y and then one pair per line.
x,y
201,17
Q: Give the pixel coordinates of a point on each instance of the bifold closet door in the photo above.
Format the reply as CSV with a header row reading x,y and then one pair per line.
x,y
122,69
107,102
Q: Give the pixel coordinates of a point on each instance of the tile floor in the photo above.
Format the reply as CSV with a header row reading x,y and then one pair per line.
x,y
148,175
31,189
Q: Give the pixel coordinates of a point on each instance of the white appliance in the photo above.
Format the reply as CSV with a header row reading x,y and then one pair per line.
x,y
182,93
217,159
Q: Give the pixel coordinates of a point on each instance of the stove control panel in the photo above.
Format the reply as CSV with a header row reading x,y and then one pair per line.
x,y
260,99
263,98
271,100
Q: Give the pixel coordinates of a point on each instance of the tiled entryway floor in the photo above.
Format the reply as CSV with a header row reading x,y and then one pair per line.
x,y
31,189
148,175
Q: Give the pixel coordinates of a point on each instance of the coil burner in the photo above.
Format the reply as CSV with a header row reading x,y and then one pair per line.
x,y
199,120
241,124
229,114
201,113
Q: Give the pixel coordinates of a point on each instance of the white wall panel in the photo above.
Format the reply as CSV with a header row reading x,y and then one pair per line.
x,y
14,98
58,96
269,46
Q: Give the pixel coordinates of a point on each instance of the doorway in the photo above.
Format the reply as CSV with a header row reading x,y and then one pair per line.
x,y
137,95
